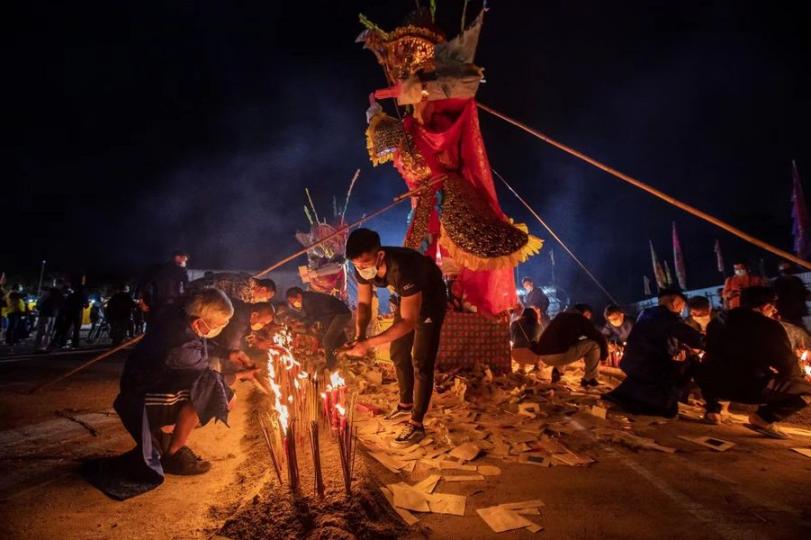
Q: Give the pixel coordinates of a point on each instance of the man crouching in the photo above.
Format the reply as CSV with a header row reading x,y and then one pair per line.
x,y
168,388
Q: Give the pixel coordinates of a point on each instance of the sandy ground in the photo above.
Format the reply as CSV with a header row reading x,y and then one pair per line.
x,y
44,497
759,489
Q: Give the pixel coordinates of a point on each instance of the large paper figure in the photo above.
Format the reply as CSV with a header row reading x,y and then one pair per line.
x,y
458,221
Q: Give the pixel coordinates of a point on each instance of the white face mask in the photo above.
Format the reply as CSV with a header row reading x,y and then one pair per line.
x,y
257,326
740,273
703,321
368,273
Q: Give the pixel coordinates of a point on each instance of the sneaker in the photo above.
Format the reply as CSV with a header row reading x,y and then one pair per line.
x,y
398,412
410,434
555,375
585,383
184,462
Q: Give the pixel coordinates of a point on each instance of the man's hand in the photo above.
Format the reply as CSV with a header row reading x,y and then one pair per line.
x,y
246,374
356,348
239,358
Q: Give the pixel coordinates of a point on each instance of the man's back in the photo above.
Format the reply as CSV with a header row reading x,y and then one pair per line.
x,y
744,346
566,329
654,340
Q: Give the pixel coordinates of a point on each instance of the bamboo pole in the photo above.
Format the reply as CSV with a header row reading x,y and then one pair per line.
x,y
87,364
397,200
653,191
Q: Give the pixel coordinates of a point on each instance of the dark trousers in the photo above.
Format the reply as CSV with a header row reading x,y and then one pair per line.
x,y
414,356
778,400
335,336
14,330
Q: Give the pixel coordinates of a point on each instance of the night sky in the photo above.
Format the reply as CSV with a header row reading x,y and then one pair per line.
x,y
133,129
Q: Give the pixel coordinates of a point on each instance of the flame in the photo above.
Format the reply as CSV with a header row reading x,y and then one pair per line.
x,y
283,415
804,356
340,410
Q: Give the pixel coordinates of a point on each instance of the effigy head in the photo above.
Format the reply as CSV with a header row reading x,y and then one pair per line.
x,y
405,50
420,64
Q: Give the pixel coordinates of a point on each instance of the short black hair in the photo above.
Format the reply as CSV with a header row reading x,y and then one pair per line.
x,y
527,278
529,314
361,241
758,296
699,302
267,283
180,253
294,291
672,291
612,309
583,308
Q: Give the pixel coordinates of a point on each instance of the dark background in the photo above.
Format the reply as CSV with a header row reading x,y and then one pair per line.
x,y
136,128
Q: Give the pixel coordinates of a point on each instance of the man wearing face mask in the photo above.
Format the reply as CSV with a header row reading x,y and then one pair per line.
x,y
414,335
735,284
699,313
656,359
331,313
750,360
168,388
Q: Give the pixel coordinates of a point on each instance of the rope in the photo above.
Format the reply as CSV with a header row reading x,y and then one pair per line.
x,y
653,191
557,238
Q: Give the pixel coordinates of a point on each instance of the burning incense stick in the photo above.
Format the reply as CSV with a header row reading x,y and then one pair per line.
x,y
346,443
316,452
271,451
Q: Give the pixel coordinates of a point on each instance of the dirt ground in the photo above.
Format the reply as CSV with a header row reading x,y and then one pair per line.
x,y
758,489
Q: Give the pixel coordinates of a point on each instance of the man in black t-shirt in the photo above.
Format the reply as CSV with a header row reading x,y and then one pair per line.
x,y
421,302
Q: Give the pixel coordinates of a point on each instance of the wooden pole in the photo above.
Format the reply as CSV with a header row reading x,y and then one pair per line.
x,y
653,191
87,364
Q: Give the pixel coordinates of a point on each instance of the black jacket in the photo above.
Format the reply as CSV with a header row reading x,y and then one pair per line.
x,y
743,349
565,330
656,338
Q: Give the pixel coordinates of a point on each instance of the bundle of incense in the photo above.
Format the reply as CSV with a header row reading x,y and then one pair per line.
x,y
346,444
289,443
316,451
271,451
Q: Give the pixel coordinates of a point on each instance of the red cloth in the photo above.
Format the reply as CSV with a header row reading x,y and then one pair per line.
x,y
450,141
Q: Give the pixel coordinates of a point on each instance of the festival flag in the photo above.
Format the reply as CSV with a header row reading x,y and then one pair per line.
x,y
668,277
719,257
658,272
799,216
646,286
678,260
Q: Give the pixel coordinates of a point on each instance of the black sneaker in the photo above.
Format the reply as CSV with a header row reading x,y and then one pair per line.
x,y
184,462
410,434
398,412
585,383
555,375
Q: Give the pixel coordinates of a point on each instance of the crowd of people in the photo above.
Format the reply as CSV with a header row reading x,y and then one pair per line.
x,y
750,351
203,336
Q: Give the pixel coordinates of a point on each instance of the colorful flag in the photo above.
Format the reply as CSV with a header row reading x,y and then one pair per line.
x,y
646,286
678,260
658,272
799,216
668,277
719,257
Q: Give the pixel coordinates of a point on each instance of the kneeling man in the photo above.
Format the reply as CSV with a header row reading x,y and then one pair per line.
x,y
168,388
